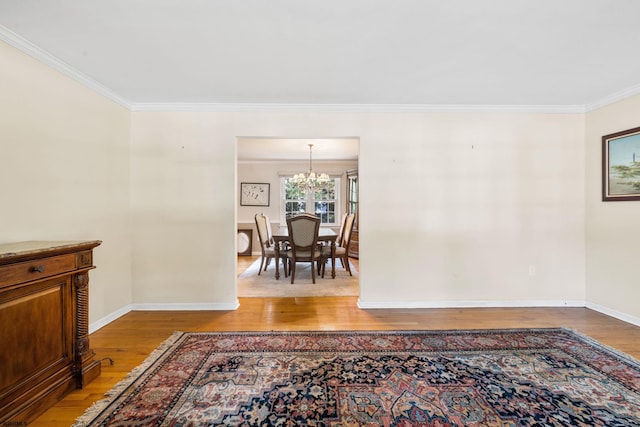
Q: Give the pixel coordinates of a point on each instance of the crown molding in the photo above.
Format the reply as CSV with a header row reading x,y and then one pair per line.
x,y
618,96
351,108
45,57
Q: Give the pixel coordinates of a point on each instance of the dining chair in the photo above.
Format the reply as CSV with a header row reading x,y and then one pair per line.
x,y
341,231
342,245
307,214
267,244
303,243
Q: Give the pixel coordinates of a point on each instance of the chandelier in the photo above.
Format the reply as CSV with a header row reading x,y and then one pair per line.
x,y
311,181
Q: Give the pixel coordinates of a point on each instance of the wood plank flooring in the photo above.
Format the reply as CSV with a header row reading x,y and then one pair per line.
x,y
129,339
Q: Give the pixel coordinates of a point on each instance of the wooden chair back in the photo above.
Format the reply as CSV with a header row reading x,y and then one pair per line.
x,y
303,243
303,234
264,229
346,233
341,231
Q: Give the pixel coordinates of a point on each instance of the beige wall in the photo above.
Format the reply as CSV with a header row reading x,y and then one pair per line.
x,y
64,171
455,208
474,201
612,228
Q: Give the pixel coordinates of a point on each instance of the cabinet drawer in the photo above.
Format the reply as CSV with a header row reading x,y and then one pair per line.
x,y
28,271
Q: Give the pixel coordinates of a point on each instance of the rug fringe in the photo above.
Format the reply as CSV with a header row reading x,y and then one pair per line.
x,y
97,407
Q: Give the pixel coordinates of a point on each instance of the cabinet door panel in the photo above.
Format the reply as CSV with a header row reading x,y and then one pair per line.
x,y
36,328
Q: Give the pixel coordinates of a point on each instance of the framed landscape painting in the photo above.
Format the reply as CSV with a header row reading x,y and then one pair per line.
x,y
621,166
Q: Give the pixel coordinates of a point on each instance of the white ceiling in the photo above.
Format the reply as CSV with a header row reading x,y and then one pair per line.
x,y
337,52
567,55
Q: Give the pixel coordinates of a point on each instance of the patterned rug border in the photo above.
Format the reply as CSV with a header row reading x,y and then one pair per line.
x,y
99,406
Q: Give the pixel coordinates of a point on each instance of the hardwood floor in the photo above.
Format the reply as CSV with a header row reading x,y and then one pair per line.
x,y
129,339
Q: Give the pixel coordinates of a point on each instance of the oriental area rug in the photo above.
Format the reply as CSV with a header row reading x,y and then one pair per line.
x,y
515,377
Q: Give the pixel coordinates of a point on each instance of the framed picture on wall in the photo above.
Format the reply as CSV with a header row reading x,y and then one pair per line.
x,y
621,166
254,194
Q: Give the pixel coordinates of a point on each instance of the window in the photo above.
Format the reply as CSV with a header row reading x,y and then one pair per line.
x,y
323,203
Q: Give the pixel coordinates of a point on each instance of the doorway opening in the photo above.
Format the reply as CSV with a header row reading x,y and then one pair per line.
x,y
263,164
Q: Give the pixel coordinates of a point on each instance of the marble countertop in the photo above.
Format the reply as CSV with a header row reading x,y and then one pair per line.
x,y
19,249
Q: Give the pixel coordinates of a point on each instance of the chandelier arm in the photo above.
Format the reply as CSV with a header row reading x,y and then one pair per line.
x,y
311,181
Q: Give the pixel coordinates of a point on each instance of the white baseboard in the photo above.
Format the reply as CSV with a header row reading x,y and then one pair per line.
x,y
614,313
469,304
109,318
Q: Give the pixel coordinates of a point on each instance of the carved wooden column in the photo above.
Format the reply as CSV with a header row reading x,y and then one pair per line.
x,y
86,368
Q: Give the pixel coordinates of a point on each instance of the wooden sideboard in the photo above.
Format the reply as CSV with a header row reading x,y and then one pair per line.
x,y
44,325
354,244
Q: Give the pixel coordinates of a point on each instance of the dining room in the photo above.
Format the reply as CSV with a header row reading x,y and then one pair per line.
x,y
282,178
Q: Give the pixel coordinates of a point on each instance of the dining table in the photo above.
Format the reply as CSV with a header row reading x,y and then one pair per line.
x,y
281,234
